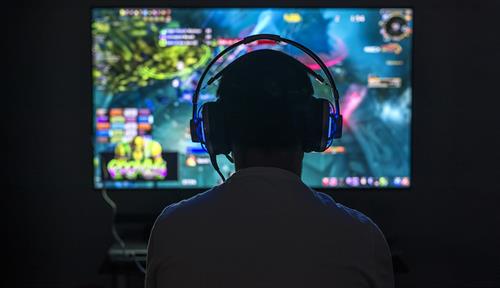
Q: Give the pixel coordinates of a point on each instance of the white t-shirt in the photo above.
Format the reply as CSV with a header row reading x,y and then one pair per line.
x,y
265,228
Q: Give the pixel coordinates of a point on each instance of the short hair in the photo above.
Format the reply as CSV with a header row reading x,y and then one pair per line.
x,y
264,95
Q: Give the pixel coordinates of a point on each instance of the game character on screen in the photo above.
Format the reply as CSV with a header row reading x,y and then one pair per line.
x,y
139,159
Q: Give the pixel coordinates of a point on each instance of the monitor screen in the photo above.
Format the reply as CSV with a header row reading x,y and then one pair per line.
x,y
147,62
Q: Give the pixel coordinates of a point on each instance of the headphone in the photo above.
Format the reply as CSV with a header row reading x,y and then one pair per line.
x,y
324,122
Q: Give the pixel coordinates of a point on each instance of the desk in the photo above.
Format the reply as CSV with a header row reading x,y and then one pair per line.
x,y
120,264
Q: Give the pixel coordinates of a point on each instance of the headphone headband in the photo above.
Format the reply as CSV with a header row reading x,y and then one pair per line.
x,y
208,128
276,38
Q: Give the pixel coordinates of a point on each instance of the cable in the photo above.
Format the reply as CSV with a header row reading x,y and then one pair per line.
x,y
114,231
213,159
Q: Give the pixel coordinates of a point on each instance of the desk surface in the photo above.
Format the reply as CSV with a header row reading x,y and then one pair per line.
x,y
118,254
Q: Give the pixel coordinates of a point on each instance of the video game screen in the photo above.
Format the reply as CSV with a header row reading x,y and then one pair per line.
x,y
147,62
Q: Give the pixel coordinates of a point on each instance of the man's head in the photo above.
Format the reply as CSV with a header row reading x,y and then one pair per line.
x,y
264,95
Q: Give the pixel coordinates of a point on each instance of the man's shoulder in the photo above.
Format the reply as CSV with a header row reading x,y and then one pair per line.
x,y
188,206
180,216
346,214
200,205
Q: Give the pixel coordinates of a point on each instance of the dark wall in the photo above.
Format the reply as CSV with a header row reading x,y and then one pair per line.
x,y
446,229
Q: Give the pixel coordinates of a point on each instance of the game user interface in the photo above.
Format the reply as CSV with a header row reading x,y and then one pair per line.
x,y
147,62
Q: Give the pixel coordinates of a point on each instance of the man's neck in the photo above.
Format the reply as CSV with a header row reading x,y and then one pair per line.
x,y
286,159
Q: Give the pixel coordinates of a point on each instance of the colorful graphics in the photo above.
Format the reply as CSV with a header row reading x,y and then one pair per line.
x,y
118,125
139,159
147,63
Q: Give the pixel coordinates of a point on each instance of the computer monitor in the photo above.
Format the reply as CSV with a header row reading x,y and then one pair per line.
x,y
147,61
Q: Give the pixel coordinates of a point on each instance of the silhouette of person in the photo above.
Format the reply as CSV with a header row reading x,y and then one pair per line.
x,y
264,227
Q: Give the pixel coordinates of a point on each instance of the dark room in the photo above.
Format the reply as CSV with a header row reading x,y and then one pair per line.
x,y
248,143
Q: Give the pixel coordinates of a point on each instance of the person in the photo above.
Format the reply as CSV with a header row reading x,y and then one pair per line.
x,y
264,227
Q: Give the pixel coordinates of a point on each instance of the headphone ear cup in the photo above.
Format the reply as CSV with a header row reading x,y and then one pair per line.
x,y
214,129
317,126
